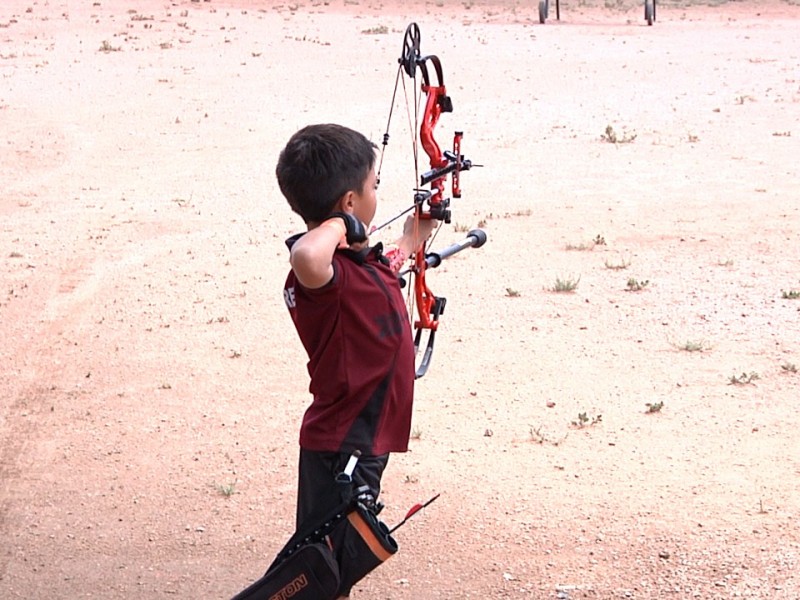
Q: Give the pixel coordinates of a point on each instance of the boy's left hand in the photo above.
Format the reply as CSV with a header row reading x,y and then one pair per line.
x,y
415,233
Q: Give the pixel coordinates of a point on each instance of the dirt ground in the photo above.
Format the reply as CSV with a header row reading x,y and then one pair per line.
x,y
634,438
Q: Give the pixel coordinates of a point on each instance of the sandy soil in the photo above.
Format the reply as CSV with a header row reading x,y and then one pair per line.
x,y
151,383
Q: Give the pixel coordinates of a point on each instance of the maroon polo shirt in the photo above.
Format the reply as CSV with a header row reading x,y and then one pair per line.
x,y
357,334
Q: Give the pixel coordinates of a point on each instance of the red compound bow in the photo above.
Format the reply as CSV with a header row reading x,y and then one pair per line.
x,y
430,201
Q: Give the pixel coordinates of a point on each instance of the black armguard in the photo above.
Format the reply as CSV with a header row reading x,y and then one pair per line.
x,y
356,232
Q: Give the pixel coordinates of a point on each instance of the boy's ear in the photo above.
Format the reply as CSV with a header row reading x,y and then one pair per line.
x,y
346,202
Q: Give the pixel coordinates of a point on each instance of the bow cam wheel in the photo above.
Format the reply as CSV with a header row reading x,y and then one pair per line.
x,y
410,52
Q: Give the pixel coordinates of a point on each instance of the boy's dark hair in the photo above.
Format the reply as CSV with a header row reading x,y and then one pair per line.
x,y
320,164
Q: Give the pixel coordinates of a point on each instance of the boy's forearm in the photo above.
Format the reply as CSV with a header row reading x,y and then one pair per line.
x,y
413,236
406,244
399,251
311,256
321,242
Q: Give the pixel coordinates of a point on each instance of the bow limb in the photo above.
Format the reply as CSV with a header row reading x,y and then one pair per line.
x,y
430,119
429,308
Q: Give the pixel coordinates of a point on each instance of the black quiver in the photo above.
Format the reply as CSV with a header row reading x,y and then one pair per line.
x,y
324,560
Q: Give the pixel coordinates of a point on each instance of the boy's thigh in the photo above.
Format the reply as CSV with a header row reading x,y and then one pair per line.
x,y
317,491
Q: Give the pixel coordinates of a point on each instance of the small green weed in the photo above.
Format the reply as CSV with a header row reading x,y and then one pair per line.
x,y
379,30
227,489
789,367
585,421
565,286
744,378
416,433
634,285
790,295
654,407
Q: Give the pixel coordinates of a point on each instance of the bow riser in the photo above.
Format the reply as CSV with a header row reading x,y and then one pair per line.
x,y
438,161
424,297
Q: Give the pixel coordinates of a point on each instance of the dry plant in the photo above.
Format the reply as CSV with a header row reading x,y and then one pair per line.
x,y
693,346
379,30
612,137
538,437
106,47
744,379
621,264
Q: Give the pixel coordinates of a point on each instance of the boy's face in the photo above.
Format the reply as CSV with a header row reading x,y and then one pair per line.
x,y
366,201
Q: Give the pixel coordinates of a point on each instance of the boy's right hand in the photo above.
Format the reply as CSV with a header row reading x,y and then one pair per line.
x,y
311,255
355,232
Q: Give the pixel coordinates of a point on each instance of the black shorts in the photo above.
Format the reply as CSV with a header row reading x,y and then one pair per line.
x,y
317,491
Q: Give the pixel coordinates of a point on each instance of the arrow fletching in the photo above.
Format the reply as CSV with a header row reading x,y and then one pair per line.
x,y
411,512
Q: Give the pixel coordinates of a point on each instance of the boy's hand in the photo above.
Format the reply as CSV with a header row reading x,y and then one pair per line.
x,y
311,255
355,232
415,234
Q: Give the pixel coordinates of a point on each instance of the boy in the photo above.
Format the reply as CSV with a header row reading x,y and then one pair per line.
x,y
345,301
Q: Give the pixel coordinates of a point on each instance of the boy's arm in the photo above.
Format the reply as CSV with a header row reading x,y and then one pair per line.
x,y
408,243
311,256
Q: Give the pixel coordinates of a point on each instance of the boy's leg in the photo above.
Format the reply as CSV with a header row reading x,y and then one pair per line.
x,y
317,491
